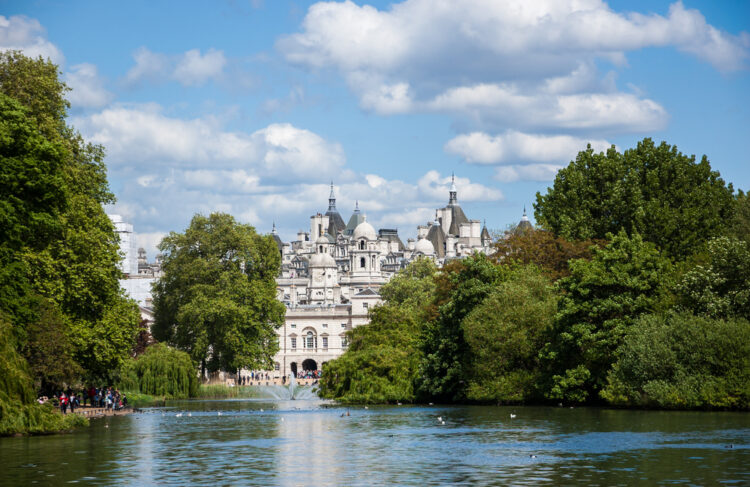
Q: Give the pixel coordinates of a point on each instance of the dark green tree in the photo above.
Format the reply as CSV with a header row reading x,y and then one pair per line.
x,y
505,333
217,297
600,300
462,285
655,191
161,371
740,226
679,360
382,360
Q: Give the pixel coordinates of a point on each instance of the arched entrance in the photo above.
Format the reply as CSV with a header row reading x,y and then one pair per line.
x,y
293,366
309,364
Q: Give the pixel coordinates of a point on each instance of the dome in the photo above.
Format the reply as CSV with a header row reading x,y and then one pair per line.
x,y
322,240
322,260
365,230
424,246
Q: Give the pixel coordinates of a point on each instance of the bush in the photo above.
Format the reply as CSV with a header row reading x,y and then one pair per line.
x,y
161,371
683,361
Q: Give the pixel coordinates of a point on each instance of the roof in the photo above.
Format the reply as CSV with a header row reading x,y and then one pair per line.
x,y
335,222
486,234
391,235
367,292
354,221
457,217
437,237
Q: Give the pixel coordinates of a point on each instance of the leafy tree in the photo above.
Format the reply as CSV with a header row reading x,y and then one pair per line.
x,y
740,227
505,333
217,297
543,249
56,242
720,288
461,286
655,191
601,300
678,360
381,362
161,371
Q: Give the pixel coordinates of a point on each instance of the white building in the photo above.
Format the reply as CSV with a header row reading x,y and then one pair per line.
x,y
128,264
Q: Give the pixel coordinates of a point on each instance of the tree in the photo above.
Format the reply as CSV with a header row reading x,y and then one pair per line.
x,y
720,288
161,371
543,249
461,286
740,227
505,333
678,360
655,191
601,299
381,362
217,297
56,242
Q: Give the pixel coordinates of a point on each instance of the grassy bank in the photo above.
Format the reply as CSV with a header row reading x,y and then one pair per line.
x,y
220,391
35,419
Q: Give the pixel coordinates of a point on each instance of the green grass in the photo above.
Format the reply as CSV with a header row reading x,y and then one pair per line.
x,y
217,391
35,419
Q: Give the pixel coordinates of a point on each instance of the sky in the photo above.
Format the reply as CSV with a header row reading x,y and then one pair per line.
x,y
253,107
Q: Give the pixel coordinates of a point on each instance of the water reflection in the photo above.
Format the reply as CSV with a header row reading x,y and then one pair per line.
x,y
264,442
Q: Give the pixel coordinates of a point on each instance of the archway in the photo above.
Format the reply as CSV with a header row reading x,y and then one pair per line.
x,y
309,364
293,366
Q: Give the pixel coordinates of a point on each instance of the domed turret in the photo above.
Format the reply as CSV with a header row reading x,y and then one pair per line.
x,y
425,247
322,260
365,230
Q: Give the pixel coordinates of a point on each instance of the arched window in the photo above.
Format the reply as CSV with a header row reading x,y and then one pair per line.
x,y
321,249
362,262
362,244
310,340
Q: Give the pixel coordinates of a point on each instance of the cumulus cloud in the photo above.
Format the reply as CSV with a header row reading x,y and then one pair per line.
x,y
87,88
530,172
496,63
190,68
142,135
513,146
21,33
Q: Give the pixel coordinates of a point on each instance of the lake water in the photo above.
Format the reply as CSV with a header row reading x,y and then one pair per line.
x,y
308,442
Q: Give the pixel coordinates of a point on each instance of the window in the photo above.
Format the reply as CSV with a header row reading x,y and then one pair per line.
x,y
365,305
325,325
292,326
276,366
362,262
344,342
310,340
294,343
361,245
325,343
343,325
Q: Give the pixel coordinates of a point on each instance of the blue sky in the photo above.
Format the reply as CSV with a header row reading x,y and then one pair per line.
x,y
253,107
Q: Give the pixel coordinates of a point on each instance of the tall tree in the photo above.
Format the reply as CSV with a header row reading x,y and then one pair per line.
x,y
601,300
56,238
217,297
655,191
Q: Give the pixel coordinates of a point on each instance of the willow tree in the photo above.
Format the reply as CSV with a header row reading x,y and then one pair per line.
x,y
217,297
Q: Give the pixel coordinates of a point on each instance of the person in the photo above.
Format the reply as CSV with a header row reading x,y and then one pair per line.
x,y
72,403
63,403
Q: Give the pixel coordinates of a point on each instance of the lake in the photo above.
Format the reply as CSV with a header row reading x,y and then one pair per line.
x,y
309,442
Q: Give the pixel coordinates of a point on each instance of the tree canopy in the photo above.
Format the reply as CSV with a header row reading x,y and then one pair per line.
x,y
667,197
216,299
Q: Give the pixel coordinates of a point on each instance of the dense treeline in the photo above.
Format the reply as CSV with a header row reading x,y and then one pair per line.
x,y
160,371
635,291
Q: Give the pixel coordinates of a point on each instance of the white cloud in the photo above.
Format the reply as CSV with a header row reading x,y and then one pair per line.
x,y
527,63
512,147
436,186
24,34
142,135
87,88
195,69
531,172
190,68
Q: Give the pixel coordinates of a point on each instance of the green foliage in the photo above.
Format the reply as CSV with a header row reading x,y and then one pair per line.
x,y
161,371
719,288
57,246
217,297
218,391
654,191
740,226
461,286
381,363
683,361
505,333
601,299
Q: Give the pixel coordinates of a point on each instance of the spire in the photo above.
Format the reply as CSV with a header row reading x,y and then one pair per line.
x,y
524,218
273,230
453,200
332,200
356,206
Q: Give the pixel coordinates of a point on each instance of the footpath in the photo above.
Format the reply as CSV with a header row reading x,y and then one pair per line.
x,y
92,412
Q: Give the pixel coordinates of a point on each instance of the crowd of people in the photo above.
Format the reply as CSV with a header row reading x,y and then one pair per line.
x,y
255,376
108,398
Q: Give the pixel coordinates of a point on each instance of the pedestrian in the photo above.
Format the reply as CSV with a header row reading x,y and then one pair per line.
x,y
63,403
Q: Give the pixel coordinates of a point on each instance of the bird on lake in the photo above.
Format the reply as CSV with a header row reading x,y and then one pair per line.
x,y
190,414
512,416
440,418
219,413
178,415
532,456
